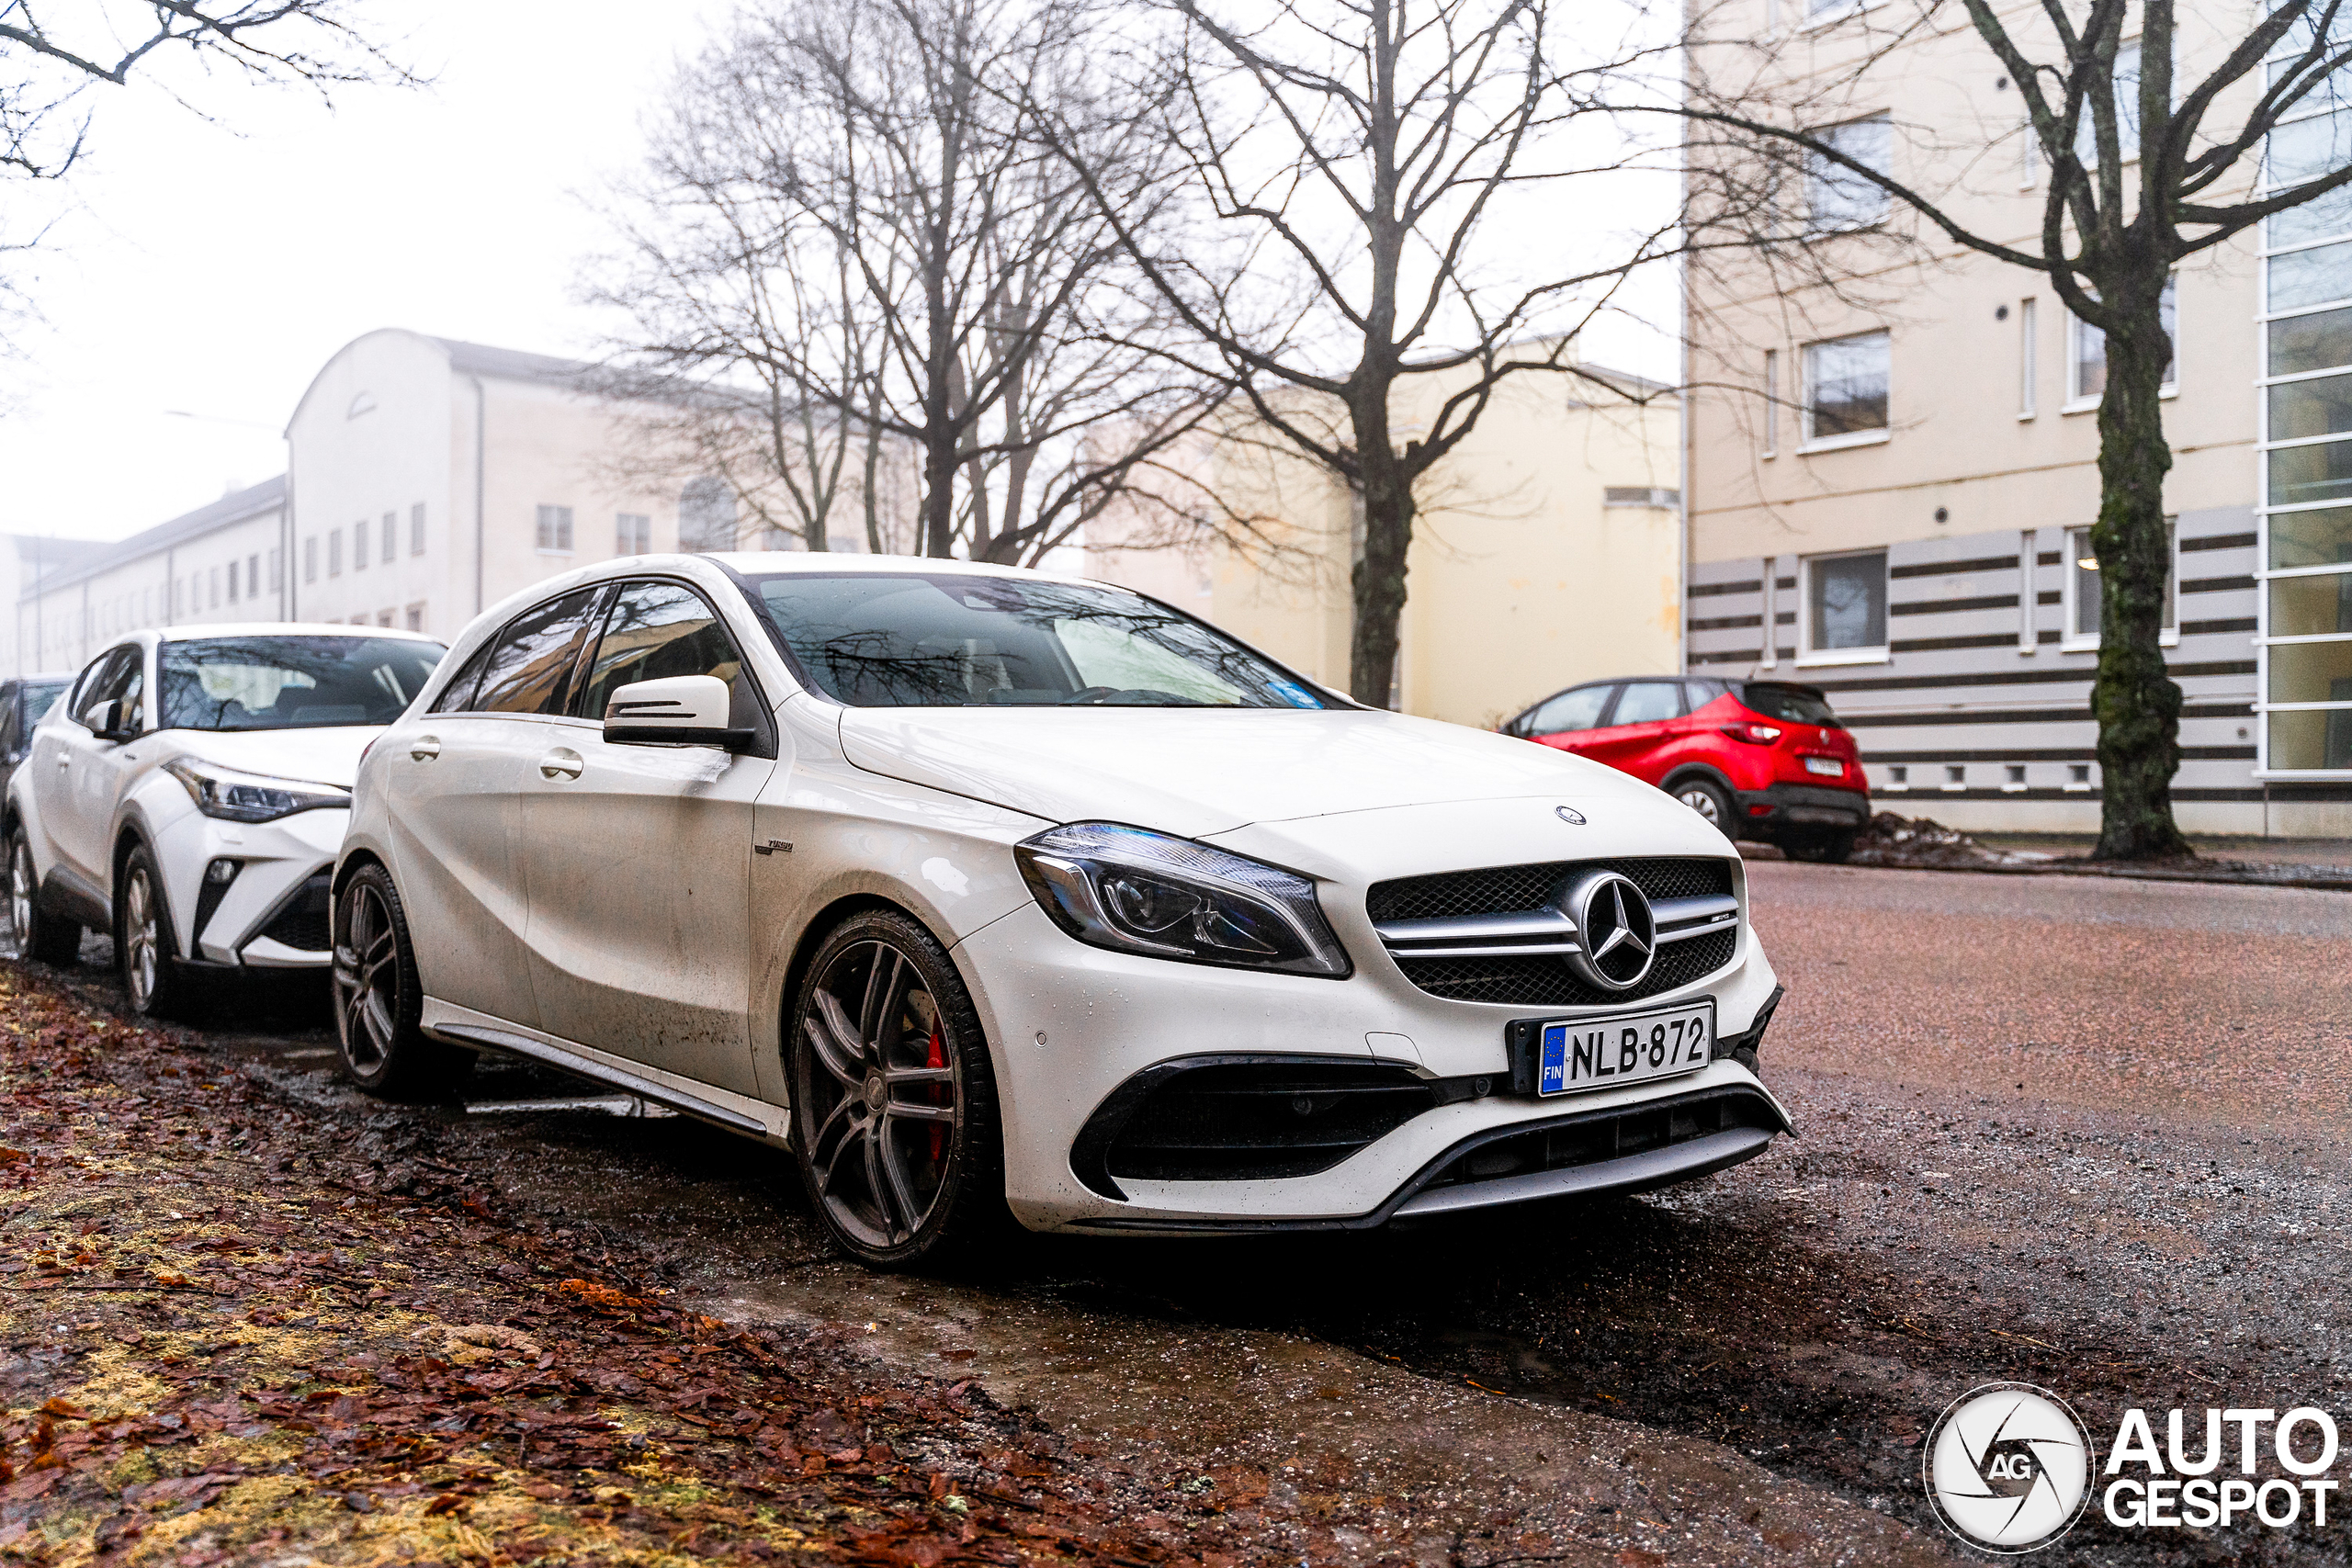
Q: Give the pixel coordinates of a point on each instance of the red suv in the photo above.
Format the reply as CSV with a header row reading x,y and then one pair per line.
x,y
1761,759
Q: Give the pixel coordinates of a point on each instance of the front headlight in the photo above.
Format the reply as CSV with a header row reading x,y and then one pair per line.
x,y
251,797
1136,891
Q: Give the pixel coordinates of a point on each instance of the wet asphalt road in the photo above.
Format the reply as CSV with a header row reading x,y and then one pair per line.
x,y
2085,1134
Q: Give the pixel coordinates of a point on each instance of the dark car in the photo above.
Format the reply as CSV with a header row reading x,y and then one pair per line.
x,y
23,699
1763,760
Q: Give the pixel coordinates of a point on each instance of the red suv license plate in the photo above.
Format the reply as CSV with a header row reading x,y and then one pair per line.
x,y
1574,1055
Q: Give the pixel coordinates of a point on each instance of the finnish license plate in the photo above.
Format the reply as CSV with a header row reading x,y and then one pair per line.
x,y
1829,767
1599,1053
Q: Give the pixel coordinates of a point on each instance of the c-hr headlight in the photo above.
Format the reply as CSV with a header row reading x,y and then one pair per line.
x,y
237,796
1136,891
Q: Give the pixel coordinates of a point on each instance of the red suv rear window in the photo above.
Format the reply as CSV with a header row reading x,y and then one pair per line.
x,y
1791,704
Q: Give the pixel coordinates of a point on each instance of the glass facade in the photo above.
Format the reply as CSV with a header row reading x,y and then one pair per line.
x,y
2306,564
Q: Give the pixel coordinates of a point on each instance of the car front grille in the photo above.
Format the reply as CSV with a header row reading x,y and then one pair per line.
x,y
1544,979
1508,889
301,922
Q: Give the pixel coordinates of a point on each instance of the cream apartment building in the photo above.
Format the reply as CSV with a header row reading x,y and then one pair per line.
x,y
425,478
1547,550
1892,479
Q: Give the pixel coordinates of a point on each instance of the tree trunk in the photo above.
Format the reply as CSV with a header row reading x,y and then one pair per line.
x,y
1378,578
2137,703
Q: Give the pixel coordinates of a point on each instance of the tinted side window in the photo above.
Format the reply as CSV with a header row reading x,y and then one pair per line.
x,y
528,669
1647,701
655,630
117,678
457,696
1578,709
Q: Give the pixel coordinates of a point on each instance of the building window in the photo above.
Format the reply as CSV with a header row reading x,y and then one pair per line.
x,y
359,545
1772,401
1845,607
1837,196
632,533
1846,390
2127,111
276,571
2086,354
1898,777
555,530
706,515
252,576
2082,599
1955,776
2014,780
389,544
416,530
212,588
2078,776
2027,360
335,552
416,617
233,572
310,558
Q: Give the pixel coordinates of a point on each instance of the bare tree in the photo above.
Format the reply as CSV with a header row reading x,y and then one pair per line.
x,y
2146,168
51,57
848,211
1346,162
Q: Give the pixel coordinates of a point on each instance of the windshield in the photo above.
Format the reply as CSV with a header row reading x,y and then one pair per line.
x,y
40,697
289,683
904,641
1791,704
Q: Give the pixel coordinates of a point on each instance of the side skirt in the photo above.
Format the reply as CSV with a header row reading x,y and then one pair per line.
x,y
736,1112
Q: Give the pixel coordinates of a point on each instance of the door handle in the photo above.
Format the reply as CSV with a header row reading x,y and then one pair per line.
x,y
65,762
423,749
561,762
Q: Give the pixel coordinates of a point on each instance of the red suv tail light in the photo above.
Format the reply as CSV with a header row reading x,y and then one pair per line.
x,y
1754,734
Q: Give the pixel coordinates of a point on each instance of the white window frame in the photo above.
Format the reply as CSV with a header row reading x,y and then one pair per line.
x,y
1813,222
1808,442
2076,326
554,530
1807,656
1772,403
2071,641
2030,359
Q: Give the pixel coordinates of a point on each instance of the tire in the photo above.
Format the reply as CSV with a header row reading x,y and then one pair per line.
x,y
49,938
146,953
1714,806
1831,848
378,1001
895,1123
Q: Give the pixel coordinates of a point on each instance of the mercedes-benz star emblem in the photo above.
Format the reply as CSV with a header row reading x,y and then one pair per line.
x,y
1616,934
1571,815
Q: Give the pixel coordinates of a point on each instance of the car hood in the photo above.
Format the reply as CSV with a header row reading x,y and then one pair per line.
x,y
325,755
1195,771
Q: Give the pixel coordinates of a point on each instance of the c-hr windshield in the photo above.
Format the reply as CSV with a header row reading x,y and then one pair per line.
x,y
899,640
291,683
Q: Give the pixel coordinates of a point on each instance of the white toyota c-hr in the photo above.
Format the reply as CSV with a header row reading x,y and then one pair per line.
x,y
188,794
983,889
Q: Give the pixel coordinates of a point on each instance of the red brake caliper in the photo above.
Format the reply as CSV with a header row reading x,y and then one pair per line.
x,y
937,1058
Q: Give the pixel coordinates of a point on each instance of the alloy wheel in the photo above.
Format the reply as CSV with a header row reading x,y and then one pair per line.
x,y
142,940
366,978
883,1095
1703,802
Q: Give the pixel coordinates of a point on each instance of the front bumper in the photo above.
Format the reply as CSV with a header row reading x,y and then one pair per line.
x,y
273,914
1072,1024
1803,808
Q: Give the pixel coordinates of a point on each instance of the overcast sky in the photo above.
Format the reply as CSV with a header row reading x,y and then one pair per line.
x,y
211,269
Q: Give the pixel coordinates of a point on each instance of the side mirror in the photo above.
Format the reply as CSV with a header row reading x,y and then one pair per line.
x,y
115,722
682,710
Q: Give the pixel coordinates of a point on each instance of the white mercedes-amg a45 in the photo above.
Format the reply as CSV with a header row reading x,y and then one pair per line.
x,y
988,891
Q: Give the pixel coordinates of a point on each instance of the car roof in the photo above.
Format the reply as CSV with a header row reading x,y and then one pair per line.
x,y
749,563
282,628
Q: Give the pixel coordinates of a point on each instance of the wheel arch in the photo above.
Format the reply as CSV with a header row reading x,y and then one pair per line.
x,y
1707,771
813,934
